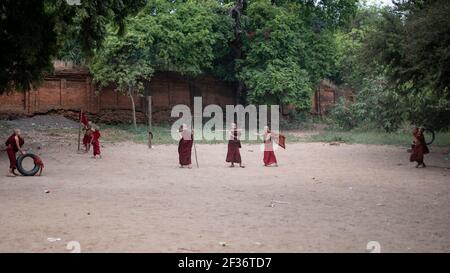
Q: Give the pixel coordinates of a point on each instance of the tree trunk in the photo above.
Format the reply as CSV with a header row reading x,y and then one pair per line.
x,y
133,106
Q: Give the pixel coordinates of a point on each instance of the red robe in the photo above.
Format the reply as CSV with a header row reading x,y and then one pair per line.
x,y
185,148
269,155
233,154
419,148
12,149
87,137
96,142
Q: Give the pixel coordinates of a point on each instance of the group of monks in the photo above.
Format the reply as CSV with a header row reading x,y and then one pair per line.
x,y
91,137
234,144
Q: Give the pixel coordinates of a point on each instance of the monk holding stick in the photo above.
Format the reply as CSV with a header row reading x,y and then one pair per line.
x,y
234,144
87,138
185,146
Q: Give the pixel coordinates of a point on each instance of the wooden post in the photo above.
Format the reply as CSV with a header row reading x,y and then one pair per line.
x,y
79,129
149,114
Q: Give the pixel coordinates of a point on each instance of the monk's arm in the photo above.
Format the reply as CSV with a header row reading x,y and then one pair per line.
x,y
18,145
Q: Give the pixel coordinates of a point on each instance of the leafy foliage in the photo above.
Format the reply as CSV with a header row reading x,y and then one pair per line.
x,y
286,54
33,32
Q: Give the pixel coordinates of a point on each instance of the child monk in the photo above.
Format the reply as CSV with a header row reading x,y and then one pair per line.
x,y
87,139
234,144
14,144
38,162
419,147
96,141
185,146
269,154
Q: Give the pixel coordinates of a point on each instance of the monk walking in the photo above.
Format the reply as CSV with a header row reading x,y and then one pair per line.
x,y
419,147
13,145
185,146
269,154
87,139
96,142
234,144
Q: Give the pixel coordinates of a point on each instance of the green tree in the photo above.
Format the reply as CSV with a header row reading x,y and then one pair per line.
x,y
289,48
33,32
182,37
412,43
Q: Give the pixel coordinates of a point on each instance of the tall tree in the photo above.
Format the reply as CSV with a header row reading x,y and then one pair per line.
x,y
32,32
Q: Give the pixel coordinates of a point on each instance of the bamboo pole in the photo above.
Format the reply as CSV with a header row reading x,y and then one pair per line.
x,y
79,129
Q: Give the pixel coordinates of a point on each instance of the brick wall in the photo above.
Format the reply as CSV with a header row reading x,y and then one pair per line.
x,y
327,94
71,89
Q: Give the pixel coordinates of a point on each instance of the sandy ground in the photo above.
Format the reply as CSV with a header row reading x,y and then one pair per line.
x,y
322,198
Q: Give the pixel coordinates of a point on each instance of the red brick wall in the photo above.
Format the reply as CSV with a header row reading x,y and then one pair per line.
x,y
327,94
73,90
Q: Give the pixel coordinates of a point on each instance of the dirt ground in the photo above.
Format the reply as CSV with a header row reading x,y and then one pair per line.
x,y
322,198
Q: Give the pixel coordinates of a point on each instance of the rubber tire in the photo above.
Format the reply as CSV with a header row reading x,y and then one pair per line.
x,y
432,136
22,170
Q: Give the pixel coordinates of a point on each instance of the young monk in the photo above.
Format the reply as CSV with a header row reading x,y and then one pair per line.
x,y
185,146
96,141
269,155
38,161
14,144
419,147
234,144
87,139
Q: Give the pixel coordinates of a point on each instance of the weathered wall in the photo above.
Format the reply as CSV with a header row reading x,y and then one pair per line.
x,y
327,94
72,90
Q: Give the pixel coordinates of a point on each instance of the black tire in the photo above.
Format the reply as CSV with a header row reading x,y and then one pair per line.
x,y
22,170
431,132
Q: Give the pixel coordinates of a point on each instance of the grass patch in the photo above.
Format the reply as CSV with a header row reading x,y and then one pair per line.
x,y
373,137
161,135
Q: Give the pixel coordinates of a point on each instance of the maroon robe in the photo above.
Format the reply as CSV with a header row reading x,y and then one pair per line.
x,y
269,155
96,142
185,148
87,139
419,148
233,154
12,149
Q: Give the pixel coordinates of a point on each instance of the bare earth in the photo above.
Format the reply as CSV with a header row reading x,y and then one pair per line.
x,y
322,198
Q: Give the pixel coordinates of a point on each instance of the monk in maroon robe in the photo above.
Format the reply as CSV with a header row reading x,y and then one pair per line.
x,y
87,138
269,154
419,148
38,161
14,144
185,146
234,144
96,142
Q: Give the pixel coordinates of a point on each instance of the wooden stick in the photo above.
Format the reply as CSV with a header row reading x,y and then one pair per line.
x,y
195,151
79,131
